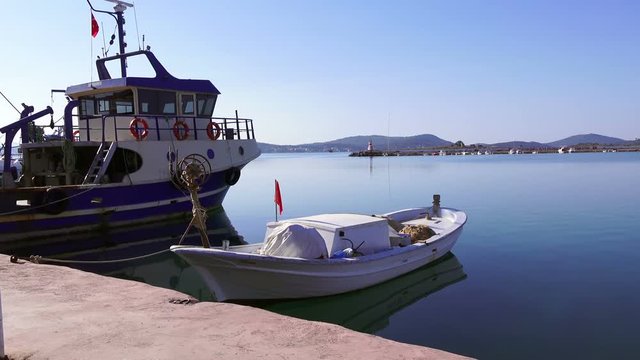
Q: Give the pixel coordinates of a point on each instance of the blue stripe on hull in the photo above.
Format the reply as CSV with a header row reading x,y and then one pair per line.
x,y
109,218
109,207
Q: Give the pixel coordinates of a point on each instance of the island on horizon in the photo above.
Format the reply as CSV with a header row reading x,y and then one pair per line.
x,y
428,144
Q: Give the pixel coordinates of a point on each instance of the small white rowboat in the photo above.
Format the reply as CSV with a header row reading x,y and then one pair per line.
x,y
326,254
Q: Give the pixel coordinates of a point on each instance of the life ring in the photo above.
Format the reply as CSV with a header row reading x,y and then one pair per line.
x,y
181,130
232,176
211,133
76,134
134,127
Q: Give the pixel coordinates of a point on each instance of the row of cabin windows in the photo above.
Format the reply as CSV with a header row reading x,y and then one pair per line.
x,y
151,102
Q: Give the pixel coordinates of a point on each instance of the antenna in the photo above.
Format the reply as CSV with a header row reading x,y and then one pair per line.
x,y
135,16
120,3
9,101
119,9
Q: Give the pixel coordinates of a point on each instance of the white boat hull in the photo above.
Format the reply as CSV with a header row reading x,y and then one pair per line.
x,y
240,273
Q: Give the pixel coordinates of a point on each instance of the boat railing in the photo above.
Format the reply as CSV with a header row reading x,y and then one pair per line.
x,y
146,127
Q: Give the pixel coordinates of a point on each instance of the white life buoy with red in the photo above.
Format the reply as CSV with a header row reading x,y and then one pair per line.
x,y
139,128
212,133
181,130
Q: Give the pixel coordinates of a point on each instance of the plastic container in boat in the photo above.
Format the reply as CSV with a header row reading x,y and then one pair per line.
x,y
346,253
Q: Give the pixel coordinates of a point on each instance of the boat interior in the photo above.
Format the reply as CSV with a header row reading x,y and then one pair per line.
x,y
388,231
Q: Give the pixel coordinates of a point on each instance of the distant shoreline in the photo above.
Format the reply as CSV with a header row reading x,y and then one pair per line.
x,y
492,151
429,142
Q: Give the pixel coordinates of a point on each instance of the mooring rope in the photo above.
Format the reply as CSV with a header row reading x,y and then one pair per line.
x,y
37,259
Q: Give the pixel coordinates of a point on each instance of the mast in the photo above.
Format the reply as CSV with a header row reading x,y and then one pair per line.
x,y
118,15
119,8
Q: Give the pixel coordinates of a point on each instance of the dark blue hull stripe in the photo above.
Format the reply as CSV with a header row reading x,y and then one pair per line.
x,y
104,206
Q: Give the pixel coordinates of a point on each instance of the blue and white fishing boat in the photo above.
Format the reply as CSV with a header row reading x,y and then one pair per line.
x,y
115,160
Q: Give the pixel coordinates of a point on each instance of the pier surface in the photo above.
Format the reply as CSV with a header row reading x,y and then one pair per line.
x,y
54,312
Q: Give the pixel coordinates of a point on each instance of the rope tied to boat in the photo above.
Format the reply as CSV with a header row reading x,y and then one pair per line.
x,y
38,259
417,232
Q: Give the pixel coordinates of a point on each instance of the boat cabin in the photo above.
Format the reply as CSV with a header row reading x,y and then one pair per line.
x,y
136,108
116,110
112,111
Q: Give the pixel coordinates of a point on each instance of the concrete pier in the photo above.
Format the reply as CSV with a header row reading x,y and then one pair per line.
x,y
54,312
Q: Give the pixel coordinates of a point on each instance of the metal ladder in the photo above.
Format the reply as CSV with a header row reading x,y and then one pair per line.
x,y
100,163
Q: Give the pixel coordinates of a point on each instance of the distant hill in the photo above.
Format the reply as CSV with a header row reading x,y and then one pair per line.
x,y
587,139
519,144
358,143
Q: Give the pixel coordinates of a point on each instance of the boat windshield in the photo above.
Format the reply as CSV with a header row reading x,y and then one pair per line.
x,y
206,103
149,101
111,103
156,102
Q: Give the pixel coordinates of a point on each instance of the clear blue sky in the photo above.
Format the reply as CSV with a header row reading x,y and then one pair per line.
x,y
307,71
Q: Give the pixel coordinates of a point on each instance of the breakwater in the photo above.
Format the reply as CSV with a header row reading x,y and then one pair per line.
x,y
492,151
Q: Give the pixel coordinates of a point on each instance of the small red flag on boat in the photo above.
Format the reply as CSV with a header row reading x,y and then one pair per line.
x,y
94,26
278,198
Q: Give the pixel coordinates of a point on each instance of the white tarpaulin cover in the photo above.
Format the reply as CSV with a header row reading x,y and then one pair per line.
x,y
295,240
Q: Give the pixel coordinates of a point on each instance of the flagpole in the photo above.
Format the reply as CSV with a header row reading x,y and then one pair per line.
x,y
277,199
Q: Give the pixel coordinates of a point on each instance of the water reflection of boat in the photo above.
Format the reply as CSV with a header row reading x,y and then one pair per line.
x,y
368,310
115,248
164,269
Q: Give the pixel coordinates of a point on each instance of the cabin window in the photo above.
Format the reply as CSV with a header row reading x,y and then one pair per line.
x,y
157,102
124,107
187,104
107,104
103,106
169,108
206,103
145,99
87,107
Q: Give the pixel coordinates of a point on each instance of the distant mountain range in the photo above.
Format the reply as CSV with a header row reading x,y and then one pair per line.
x,y
355,143
359,143
587,139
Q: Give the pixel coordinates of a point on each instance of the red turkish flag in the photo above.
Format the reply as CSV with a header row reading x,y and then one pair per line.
x,y
94,26
278,198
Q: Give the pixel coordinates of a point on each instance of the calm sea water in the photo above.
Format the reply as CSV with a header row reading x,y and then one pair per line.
x,y
548,266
